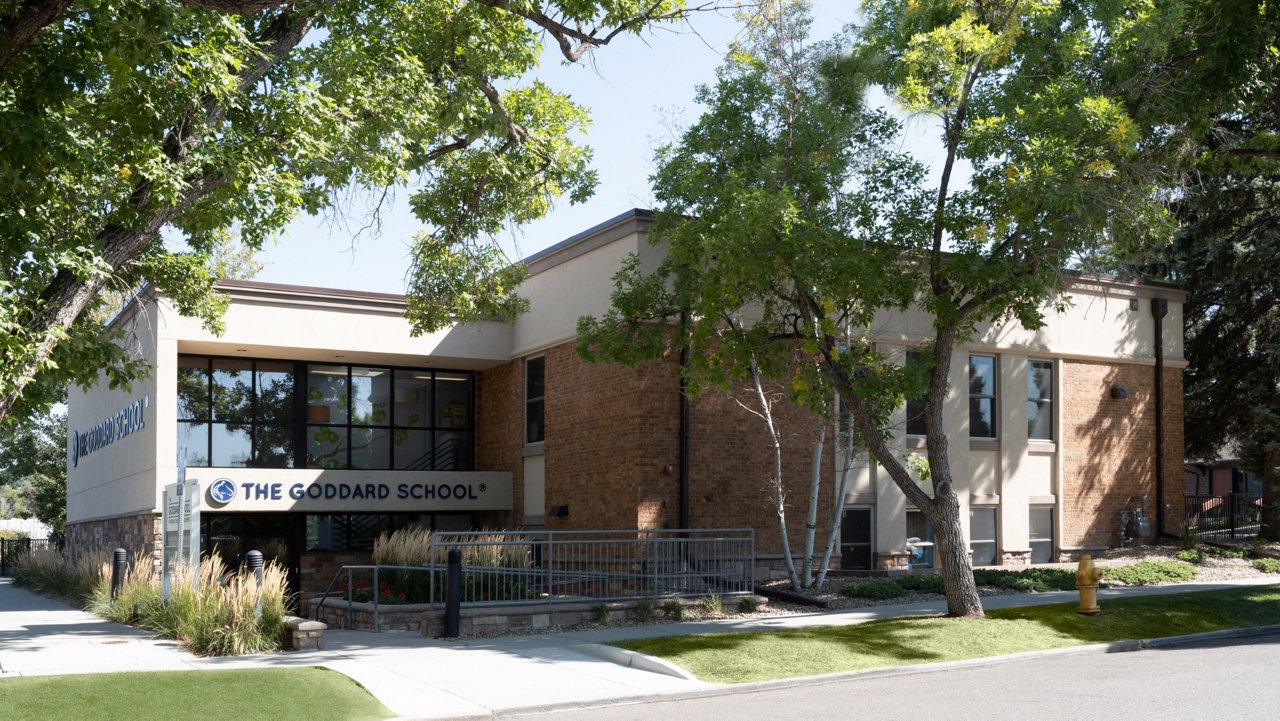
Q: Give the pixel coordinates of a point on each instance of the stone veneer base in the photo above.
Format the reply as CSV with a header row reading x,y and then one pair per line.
x,y
481,619
93,541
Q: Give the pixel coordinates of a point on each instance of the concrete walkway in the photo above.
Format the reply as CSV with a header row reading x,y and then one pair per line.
x,y
418,677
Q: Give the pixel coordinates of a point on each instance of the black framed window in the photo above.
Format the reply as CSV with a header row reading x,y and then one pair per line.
x,y
1040,400
235,412
982,396
373,418
534,400
915,406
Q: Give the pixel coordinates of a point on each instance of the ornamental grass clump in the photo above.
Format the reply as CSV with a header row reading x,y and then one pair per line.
x,y
47,571
217,618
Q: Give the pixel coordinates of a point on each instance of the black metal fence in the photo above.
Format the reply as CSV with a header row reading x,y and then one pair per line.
x,y
12,549
1235,515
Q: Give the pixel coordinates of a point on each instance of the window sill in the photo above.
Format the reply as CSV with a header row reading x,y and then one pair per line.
x,y
984,444
916,442
534,449
1036,446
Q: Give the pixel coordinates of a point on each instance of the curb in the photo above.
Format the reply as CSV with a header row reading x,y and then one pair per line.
x,y
632,659
726,690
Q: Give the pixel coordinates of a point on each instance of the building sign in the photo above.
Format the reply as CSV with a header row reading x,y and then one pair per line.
x,y
357,491
181,539
129,419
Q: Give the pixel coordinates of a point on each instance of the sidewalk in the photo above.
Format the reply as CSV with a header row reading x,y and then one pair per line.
x,y
432,679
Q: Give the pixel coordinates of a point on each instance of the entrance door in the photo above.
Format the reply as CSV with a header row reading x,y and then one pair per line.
x,y
855,539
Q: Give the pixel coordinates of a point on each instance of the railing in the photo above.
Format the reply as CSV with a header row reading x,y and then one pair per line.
x,y
12,549
547,567
1235,515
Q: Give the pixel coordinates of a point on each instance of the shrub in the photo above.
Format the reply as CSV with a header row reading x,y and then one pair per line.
x,y
644,610
1037,580
922,583
1227,552
713,605
1147,573
1188,540
10,534
1267,565
1193,555
879,590
674,609
748,604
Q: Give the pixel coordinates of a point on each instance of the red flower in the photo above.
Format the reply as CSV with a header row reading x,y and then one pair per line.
x,y
400,596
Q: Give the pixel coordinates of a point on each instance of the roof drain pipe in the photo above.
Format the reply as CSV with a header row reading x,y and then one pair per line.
x,y
684,425
1159,309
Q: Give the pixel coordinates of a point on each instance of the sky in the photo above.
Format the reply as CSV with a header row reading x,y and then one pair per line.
x,y
639,90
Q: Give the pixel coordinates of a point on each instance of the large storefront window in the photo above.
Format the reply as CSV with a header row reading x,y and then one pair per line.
x,y
271,414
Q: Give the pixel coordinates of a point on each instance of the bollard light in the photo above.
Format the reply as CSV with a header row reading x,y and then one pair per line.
x,y
453,595
254,560
119,564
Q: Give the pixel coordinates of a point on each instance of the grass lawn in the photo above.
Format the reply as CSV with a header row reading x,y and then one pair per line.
x,y
767,655
243,695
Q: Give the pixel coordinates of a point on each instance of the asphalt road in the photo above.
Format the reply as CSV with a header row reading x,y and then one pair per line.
x,y
1229,679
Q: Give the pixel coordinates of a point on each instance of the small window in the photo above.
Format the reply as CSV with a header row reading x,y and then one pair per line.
x,y
982,396
1041,536
534,408
915,406
1040,400
919,528
982,535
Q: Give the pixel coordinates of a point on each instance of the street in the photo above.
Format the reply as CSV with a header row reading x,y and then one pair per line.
x,y
1230,679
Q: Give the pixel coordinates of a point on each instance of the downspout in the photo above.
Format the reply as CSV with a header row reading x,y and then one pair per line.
x,y
684,428
1159,309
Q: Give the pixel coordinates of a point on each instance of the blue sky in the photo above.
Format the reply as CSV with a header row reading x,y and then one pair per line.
x,y
640,92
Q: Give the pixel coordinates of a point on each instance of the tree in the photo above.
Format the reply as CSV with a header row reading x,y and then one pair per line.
x,y
786,198
33,462
1227,255
123,117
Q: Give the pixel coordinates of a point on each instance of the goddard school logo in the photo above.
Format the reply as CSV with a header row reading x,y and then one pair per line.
x,y
222,492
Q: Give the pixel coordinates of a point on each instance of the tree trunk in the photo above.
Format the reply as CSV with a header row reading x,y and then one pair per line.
x,y
811,519
1271,495
951,553
779,495
841,489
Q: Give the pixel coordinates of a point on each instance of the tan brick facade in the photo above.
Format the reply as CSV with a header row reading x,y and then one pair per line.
x,y
1109,446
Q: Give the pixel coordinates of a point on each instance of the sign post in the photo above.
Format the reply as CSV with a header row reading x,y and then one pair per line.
x,y
181,529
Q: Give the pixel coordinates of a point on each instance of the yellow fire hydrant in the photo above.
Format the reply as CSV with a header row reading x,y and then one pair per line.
x,y
1087,577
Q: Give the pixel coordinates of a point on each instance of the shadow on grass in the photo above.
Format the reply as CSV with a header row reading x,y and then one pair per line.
x,y
741,657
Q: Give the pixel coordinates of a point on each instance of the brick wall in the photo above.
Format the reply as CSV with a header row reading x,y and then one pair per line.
x,y
96,540
1109,447
731,469
613,453
612,442
499,404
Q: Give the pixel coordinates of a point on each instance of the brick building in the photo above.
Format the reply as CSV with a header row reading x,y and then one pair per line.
x,y
317,422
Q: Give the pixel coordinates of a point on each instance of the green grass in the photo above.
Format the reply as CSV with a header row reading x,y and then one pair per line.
x,y
244,695
762,656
